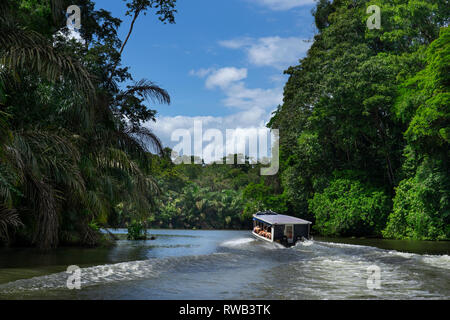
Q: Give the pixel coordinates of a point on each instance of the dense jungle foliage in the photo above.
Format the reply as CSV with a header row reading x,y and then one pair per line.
x,y
73,149
364,130
365,122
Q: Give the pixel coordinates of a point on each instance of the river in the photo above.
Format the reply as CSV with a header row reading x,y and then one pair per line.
x,y
189,264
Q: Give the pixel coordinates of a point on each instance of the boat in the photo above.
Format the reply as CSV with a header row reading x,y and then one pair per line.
x,y
277,228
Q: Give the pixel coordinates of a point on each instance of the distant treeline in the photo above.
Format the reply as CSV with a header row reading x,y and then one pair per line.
x,y
212,196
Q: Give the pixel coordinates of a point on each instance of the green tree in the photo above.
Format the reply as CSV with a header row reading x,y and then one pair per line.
x,y
350,208
340,111
75,147
422,204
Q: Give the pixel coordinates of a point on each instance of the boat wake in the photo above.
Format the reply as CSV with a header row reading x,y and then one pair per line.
x,y
245,267
238,243
306,243
125,271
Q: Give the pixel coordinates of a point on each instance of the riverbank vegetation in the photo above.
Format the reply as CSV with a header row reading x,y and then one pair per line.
x,y
73,148
365,122
364,133
364,130
213,196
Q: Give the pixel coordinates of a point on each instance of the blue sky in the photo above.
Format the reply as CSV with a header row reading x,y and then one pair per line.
x,y
222,62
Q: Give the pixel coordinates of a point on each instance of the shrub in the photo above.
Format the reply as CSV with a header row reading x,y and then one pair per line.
x,y
349,208
421,205
137,231
259,197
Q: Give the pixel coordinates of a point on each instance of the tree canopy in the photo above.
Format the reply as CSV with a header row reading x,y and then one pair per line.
x,y
74,150
364,130
368,110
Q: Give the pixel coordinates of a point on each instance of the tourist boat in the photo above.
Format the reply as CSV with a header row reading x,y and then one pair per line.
x,y
286,230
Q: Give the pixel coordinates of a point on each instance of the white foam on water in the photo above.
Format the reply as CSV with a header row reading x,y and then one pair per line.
x,y
306,243
401,254
251,244
346,277
238,242
344,245
311,269
437,261
125,271
275,245
89,276
440,261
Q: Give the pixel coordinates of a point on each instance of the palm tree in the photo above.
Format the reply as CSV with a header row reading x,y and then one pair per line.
x,y
8,218
23,49
29,154
68,166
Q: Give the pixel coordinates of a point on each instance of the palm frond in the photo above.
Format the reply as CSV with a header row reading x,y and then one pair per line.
x,y
23,49
9,218
9,181
148,90
46,199
97,204
146,139
40,152
44,160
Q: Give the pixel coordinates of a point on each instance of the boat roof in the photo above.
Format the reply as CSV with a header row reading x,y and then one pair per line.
x,y
275,218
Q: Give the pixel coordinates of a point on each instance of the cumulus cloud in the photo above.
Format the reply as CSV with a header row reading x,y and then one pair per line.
x,y
276,52
238,95
224,77
230,81
247,125
281,5
236,43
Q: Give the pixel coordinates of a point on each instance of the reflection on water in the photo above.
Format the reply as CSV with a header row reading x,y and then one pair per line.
x,y
183,264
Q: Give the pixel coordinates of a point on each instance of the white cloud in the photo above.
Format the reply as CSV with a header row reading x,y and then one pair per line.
x,y
224,77
236,43
201,72
74,34
69,34
280,5
256,106
249,123
238,95
276,52
278,78
229,80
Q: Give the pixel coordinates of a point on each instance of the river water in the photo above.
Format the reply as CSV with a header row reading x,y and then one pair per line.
x,y
187,264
